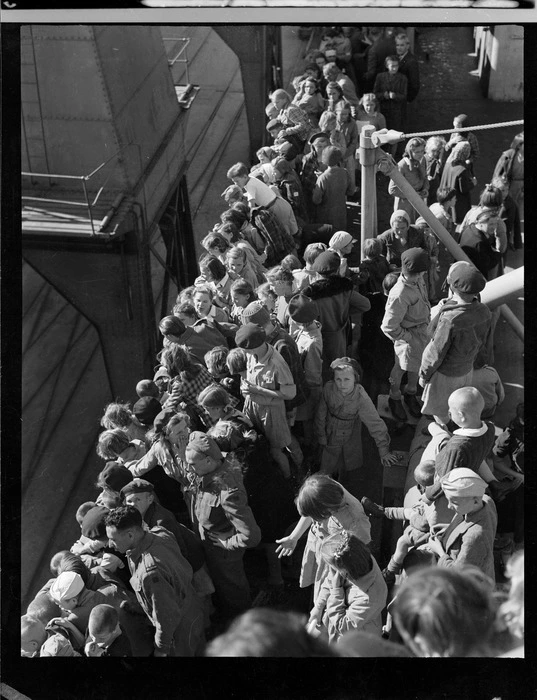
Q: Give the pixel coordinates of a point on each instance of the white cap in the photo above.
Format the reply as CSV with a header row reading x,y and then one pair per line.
x,y
341,239
67,585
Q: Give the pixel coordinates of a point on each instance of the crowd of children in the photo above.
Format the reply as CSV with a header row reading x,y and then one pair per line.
x,y
259,394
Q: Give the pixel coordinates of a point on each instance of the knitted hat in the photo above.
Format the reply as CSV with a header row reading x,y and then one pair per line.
x,y
327,263
420,222
340,239
114,476
318,135
414,260
137,486
274,124
302,309
67,585
146,409
203,444
399,214
250,336
463,482
93,525
163,418
256,312
464,277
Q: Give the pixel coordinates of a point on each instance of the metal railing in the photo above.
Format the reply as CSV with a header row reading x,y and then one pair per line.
x,y
83,179
176,58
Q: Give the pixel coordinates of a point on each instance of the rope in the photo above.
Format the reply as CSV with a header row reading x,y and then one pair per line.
x,y
516,122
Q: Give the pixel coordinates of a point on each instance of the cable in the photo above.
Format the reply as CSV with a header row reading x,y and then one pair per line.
x,y
498,125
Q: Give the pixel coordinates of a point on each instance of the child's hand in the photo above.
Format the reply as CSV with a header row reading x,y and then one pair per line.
x,y
286,546
91,649
389,460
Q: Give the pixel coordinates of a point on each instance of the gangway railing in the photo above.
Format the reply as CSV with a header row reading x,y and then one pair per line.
x,y
84,180
177,57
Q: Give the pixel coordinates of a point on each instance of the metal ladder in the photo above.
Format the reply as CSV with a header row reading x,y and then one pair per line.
x,y
33,136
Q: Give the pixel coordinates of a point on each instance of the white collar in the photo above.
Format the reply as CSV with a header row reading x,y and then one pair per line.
x,y
472,432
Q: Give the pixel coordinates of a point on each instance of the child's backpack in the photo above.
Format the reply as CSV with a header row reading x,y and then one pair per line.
x,y
278,243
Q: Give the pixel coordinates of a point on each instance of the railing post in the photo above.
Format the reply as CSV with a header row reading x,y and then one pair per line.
x,y
368,159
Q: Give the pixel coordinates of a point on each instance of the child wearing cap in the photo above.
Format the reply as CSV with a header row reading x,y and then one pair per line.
x,y
224,520
469,538
268,384
343,405
75,600
40,640
105,636
460,334
309,341
84,546
405,322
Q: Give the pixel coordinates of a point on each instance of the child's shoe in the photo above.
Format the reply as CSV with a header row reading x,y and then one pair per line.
x,y
372,508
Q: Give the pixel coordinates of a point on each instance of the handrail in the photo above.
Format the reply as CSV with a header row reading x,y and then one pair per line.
x,y
84,179
176,59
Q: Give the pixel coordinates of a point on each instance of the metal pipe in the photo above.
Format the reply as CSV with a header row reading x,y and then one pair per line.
x,y
89,206
55,201
499,290
368,158
513,321
387,166
65,177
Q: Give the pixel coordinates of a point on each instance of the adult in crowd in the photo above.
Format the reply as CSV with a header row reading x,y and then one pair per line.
x,y
336,300
408,65
458,176
224,521
401,236
162,580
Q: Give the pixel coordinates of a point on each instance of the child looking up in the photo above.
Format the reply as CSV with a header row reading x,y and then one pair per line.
x,y
343,405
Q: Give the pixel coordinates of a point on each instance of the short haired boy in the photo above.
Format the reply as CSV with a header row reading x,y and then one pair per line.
x,y
105,636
